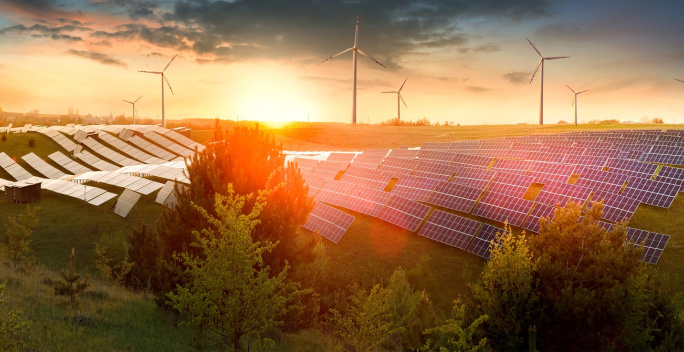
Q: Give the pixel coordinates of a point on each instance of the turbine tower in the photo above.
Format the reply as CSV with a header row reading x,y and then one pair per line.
x,y
133,103
354,51
574,101
163,78
399,97
541,63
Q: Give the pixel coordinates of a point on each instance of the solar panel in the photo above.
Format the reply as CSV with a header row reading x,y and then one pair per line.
x,y
375,151
510,165
435,155
616,208
314,182
329,169
403,153
366,177
335,192
545,157
12,168
450,229
543,172
631,166
455,196
472,160
586,160
436,170
369,160
481,243
515,185
671,175
653,243
42,167
125,203
414,187
165,192
553,193
659,194
404,213
611,182
397,166
328,222
366,200
532,223
341,157
502,208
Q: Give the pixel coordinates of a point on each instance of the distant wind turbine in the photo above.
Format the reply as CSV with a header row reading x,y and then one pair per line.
x,y
399,97
355,50
574,101
677,79
541,63
133,103
163,78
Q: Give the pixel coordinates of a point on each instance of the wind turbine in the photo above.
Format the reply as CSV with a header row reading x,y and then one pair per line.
x,y
163,78
399,97
133,103
574,102
354,51
541,63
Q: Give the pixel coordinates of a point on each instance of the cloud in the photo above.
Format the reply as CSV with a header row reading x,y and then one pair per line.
x,y
488,47
475,89
518,78
98,57
46,31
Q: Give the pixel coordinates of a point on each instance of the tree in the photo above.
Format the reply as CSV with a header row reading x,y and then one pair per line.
x,y
31,142
244,161
401,302
111,258
230,289
4,137
366,324
71,284
453,335
18,232
507,291
144,253
595,292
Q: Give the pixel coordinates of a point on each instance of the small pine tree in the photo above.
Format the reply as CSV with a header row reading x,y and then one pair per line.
x,y
4,137
71,284
31,142
18,235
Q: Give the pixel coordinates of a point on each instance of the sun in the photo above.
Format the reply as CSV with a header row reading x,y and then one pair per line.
x,y
273,94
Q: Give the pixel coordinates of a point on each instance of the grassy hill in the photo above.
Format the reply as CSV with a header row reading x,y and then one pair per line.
x,y
369,251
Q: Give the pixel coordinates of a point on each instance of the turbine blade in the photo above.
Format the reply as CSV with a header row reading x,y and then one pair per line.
x,y
368,56
167,65
677,79
169,84
534,47
389,92
127,101
341,52
356,33
535,70
155,72
402,100
556,57
570,88
402,85
136,100
586,90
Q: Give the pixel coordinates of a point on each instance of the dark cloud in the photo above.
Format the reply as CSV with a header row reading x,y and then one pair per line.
x,y
488,47
518,78
45,31
475,89
101,58
134,9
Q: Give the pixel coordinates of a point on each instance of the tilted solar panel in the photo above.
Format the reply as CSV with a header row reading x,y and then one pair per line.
x,y
659,194
329,222
616,208
502,208
414,187
532,223
653,243
450,229
404,213
366,200
455,196
480,244
553,193
436,170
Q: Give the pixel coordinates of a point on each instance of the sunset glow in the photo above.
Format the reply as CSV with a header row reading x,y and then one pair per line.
x,y
466,63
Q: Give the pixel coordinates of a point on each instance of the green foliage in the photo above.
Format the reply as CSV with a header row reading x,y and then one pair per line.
x,y
4,137
144,253
111,257
13,329
31,142
507,291
366,324
230,289
71,284
18,235
595,292
402,304
454,335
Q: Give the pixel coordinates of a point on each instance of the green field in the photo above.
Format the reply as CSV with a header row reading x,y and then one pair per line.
x,y
368,252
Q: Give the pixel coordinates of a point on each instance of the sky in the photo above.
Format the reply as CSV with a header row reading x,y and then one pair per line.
x,y
467,61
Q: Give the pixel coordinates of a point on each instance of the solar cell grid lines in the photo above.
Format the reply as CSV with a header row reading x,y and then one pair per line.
x,y
480,244
415,188
437,146
329,222
341,157
542,172
165,192
95,162
150,148
435,155
511,184
329,169
368,160
511,165
553,193
437,170
404,212
545,157
632,166
608,153
108,153
168,144
450,229
314,182
403,153
129,149
367,177
616,208
526,147
586,160
532,223
502,208
474,173
375,151
455,196
335,192
472,160
305,165
42,167
125,203
671,175
12,168
398,167
367,200
653,243
659,194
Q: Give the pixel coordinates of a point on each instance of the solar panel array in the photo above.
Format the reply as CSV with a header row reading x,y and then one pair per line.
x,y
501,207
366,200
398,167
435,170
553,193
481,243
92,195
68,163
305,165
126,202
108,153
455,196
59,138
616,208
366,177
168,144
95,162
341,157
539,211
404,213
656,193
511,184
370,159
42,166
653,243
143,144
329,169
329,222
450,229
134,152
415,188
133,183
12,168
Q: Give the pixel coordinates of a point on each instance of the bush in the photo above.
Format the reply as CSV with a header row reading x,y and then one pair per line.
x,y
4,137
31,142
